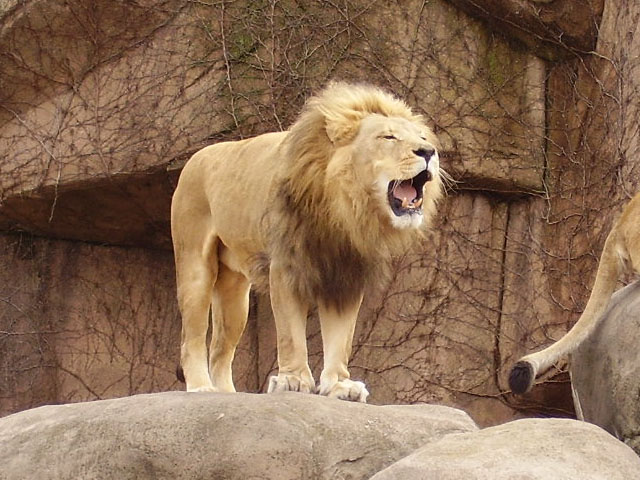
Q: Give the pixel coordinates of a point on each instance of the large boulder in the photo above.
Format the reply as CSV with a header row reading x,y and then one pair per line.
x,y
178,435
531,449
605,370
181,435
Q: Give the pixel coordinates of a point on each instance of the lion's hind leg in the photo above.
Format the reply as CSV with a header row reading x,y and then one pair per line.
x,y
230,308
196,271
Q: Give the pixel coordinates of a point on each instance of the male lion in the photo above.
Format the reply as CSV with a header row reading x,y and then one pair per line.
x,y
314,213
621,251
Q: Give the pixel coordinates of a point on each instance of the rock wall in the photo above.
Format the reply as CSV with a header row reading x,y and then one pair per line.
x,y
82,321
102,102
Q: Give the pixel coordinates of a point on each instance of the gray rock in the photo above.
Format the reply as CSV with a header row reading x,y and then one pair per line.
x,y
605,370
530,449
178,435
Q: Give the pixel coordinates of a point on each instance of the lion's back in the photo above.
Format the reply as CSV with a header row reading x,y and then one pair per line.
x,y
227,188
235,172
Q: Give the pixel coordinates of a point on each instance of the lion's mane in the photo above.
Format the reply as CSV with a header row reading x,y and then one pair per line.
x,y
330,251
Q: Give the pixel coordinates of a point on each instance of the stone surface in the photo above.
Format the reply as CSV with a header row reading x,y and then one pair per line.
x,y
95,103
89,92
84,322
177,435
605,370
97,124
485,98
550,28
531,449
232,436
124,209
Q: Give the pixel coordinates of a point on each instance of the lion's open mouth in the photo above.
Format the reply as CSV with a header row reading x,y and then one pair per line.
x,y
405,196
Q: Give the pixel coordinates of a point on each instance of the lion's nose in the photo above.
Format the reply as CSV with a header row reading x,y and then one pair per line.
x,y
425,153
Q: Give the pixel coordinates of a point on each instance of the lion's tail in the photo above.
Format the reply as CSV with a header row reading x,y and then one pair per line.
x,y
528,367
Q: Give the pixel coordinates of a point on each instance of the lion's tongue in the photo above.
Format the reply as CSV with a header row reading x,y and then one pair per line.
x,y
405,190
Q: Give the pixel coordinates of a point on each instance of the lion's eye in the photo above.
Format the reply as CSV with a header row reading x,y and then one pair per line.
x,y
389,137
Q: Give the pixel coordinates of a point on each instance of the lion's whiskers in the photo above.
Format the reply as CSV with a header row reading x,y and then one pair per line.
x,y
449,182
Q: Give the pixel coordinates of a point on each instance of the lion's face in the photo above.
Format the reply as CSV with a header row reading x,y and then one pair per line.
x,y
398,158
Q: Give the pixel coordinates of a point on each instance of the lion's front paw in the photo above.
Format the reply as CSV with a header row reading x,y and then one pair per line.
x,y
346,390
289,382
206,388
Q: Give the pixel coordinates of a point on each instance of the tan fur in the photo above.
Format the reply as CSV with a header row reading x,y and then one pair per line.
x,y
621,251
306,212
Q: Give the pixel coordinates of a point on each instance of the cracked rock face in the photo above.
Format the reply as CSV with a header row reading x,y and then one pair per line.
x,y
551,28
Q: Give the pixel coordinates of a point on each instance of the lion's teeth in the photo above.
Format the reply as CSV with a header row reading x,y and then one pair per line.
x,y
405,202
418,203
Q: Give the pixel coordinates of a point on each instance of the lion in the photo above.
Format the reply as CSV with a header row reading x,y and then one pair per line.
x,y
621,253
314,213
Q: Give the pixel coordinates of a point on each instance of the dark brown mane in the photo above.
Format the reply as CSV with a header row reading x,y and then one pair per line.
x,y
322,261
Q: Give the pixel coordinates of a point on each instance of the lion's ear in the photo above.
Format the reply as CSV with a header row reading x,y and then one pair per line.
x,y
341,128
